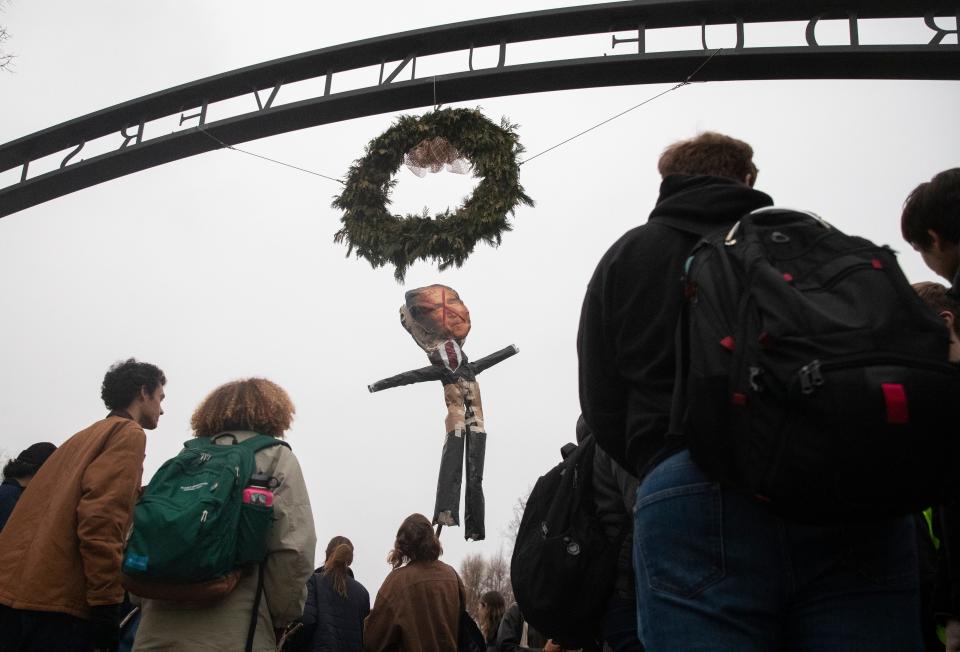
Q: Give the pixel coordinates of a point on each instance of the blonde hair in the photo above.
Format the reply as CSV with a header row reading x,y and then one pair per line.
x,y
254,404
335,567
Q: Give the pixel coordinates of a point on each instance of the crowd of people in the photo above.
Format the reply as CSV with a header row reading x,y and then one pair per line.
x,y
702,565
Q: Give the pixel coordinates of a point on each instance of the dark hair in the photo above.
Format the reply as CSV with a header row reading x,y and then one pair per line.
x,y
582,429
29,461
493,601
123,382
709,153
415,542
17,470
936,296
933,205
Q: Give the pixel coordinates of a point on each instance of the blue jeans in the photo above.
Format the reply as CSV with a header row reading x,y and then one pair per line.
x,y
716,570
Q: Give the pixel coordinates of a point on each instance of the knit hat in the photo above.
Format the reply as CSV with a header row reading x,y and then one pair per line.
x,y
36,454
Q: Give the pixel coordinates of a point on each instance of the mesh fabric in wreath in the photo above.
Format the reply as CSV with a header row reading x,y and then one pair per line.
x,y
434,155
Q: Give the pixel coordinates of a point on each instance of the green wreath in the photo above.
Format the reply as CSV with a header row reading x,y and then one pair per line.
x,y
449,238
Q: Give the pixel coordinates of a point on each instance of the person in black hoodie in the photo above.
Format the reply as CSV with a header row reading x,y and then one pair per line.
x,y
715,568
629,315
336,604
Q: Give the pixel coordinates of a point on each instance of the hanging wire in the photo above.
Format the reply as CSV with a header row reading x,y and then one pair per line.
x,y
686,81
267,158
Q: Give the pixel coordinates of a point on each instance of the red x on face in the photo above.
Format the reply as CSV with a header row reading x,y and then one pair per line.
x,y
439,310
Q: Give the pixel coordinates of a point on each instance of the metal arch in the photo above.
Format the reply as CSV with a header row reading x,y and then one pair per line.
x,y
932,61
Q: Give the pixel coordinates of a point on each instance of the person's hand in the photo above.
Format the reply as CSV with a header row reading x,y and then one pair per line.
x,y
105,627
953,635
550,646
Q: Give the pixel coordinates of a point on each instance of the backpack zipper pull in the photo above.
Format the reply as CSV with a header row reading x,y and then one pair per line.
x,y
806,385
203,517
815,376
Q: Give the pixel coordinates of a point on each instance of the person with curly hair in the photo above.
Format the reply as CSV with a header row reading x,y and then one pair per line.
x,y
61,550
231,413
17,474
418,605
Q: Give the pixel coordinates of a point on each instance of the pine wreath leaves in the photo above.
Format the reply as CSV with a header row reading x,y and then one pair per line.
x,y
372,232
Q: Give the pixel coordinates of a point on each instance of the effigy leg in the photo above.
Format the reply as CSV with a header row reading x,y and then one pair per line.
x,y
446,510
473,511
476,447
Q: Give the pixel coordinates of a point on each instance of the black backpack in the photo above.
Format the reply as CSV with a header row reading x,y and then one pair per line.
x,y
816,378
563,566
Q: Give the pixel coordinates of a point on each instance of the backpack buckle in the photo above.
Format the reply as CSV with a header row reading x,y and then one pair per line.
x,y
730,238
810,377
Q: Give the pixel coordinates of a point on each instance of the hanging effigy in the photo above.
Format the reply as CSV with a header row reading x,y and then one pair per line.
x,y
456,140
439,322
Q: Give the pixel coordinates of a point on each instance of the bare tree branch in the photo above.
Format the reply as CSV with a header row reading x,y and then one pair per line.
x,y
480,575
514,525
497,577
6,59
472,571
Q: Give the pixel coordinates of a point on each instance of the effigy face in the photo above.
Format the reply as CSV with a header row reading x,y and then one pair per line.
x,y
433,314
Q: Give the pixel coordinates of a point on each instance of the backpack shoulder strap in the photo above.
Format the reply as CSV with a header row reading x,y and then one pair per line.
x,y
259,442
255,613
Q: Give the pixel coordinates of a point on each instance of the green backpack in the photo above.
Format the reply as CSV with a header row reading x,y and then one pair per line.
x,y
191,524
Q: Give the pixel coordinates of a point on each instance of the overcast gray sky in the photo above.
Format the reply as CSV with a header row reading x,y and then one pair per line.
x,y
223,266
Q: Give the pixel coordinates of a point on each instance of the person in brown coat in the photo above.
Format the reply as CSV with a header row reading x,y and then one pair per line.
x,y
61,550
418,607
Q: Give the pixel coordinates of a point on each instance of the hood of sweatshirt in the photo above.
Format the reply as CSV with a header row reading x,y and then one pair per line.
x,y
701,204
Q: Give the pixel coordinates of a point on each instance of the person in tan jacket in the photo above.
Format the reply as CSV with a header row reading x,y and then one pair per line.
x,y
243,409
418,607
61,550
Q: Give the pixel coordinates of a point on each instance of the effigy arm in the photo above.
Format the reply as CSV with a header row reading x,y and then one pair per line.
x,y
494,358
433,372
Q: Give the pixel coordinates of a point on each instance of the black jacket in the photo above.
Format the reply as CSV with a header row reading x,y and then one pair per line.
x,y
331,622
10,492
629,317
511,633
615,492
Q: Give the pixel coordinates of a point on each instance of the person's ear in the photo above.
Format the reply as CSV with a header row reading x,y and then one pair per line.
x,y
936,242
144,394
949,318
750,179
